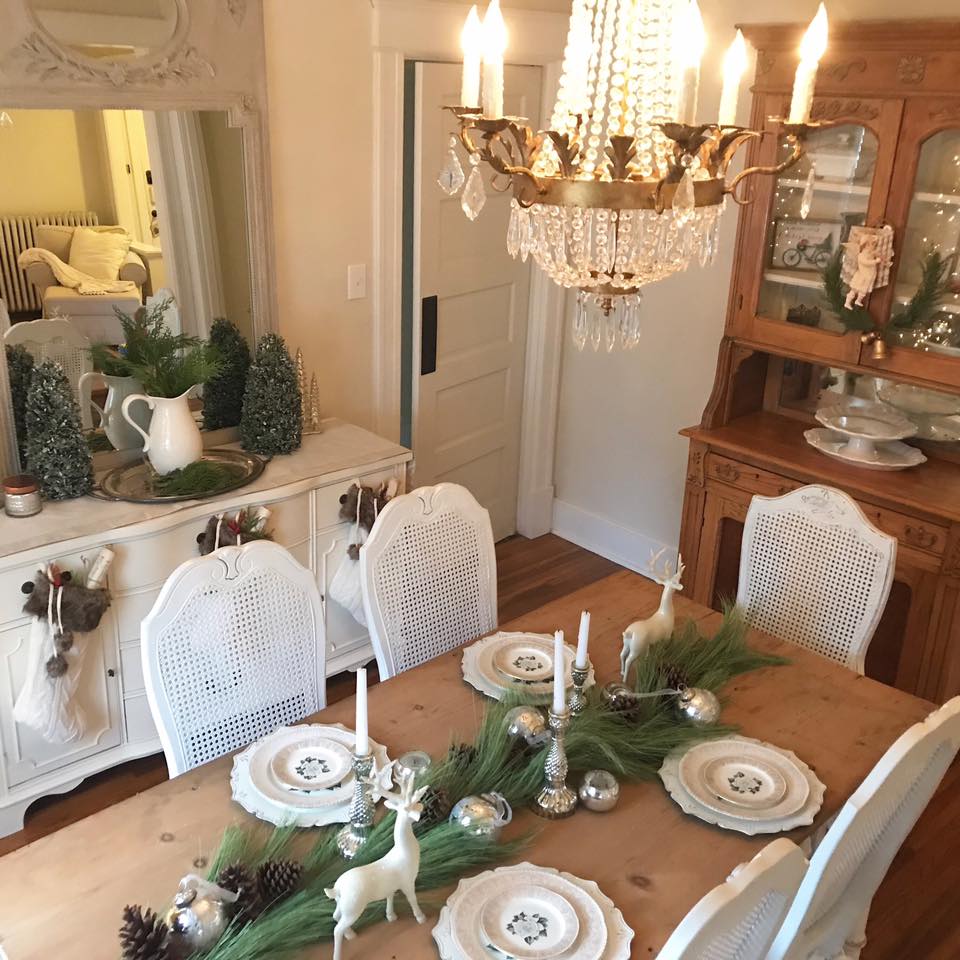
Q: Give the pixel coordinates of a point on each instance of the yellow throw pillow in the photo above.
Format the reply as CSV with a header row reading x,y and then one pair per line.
x,y
98,253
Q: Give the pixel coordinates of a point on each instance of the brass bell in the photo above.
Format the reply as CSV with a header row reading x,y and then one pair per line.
x,y
879,351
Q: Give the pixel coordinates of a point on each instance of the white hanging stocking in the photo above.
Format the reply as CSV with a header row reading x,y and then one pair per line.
x,y
345,587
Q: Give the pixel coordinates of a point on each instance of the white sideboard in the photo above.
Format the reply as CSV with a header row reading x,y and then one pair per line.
x,y
301,490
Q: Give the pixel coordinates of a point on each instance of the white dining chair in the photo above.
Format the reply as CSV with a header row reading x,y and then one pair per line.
x,y
233,648
828,917
738,919
816,572
428,573
59,340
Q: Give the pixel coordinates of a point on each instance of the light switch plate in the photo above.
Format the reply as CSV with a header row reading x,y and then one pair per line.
x,y
356,281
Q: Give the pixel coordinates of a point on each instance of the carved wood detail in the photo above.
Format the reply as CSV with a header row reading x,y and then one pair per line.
x,y
951,563
920,537
950,111
695,465
837,108
911,69
843,69
765,62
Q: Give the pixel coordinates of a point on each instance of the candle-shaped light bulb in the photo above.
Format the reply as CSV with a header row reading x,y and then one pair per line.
x,y
690,42
734,65
559,675
812,48
583,639
363,739
471,41
494,47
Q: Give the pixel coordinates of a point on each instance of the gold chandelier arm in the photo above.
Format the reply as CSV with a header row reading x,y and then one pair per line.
x,y
771,171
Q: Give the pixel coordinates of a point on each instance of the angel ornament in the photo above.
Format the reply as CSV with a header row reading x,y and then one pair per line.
x,y
867,258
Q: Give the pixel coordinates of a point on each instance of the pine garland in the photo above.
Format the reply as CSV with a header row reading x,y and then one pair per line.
x,y
223,394
199,477
632,748
20,365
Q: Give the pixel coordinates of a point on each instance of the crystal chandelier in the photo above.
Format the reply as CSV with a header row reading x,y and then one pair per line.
x,y
626,187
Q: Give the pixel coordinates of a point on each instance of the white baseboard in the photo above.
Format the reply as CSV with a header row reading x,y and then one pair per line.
x,y
629,548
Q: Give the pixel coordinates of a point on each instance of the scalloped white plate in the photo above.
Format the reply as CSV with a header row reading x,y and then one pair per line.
x,y
529,922
886,456
875,423
749,824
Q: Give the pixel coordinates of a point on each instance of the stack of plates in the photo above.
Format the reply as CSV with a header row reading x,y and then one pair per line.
x,y
744,785
302,775
518,662
525,912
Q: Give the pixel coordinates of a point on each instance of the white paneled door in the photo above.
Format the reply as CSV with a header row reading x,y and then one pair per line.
x,y
469,341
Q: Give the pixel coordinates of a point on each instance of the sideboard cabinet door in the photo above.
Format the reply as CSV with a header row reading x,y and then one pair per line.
x,y
26,754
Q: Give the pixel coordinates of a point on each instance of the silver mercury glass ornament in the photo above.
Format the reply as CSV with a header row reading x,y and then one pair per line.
x,y
416,762
355,834
199,915
599,790
701,707
482,816
555,799
527,723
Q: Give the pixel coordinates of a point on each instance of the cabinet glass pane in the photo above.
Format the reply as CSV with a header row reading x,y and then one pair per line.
x,y
843,160
933,226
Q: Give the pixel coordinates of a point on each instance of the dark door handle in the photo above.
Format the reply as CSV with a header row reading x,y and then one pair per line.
x,y
428,335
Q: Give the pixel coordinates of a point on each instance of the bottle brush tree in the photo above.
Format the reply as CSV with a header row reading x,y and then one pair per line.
x,y
20,366
223,394
272,402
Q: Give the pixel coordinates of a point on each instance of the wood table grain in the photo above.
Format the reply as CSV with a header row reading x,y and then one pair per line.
x,y
61,896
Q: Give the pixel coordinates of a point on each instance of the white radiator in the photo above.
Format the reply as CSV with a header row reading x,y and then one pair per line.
x,y
18,234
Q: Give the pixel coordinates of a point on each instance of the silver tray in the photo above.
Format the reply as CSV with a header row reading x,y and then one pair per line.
x,y
131,482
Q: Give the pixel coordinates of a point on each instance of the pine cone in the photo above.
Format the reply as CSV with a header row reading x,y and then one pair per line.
x,y
462,753
436,807
143,936
278,879
675,677
241,881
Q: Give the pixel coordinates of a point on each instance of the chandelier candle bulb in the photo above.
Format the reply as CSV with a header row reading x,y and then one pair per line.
x,y
363,740
734,65
494,47
812,48
559,675
471,41
691,41
583,639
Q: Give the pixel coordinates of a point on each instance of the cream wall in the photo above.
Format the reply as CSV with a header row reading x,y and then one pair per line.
x,y
619,463
53,161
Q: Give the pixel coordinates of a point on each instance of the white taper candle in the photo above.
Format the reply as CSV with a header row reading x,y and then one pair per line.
x,y
583,639
363,738
471,41
690,42
812,48
559,674
734,64
494,47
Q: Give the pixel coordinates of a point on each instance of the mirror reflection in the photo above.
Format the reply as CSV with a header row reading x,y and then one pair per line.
x,y
108,29
113,221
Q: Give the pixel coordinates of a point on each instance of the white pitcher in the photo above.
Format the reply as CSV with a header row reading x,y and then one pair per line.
x,y
122,435
174,439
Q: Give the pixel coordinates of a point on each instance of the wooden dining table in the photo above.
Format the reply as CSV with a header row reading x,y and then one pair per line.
x,y
62,896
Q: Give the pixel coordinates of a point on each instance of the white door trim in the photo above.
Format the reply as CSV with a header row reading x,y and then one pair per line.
x,y
428,30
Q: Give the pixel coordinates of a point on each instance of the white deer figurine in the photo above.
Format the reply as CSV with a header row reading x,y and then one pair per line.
x,y
396,870
642,634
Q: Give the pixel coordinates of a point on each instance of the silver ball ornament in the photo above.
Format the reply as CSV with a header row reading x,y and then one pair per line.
x,y
197,922
481,816
701,707
618,696
527,723
599,790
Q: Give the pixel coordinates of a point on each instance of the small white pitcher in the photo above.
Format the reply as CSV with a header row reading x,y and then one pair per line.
x,y
121,435
174,439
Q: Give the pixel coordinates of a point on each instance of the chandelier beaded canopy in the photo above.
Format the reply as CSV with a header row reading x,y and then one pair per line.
x,y
626,187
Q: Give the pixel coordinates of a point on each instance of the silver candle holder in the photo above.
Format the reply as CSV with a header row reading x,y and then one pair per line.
x,y
355,834
578,699
555,799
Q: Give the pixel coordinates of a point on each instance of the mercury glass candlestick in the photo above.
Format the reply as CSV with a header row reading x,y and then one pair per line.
x,y
356,833
578,699
555,799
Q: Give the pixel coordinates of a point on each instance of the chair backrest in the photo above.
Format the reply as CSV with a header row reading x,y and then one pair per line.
x,y
816,572
739,919
59,340
233,648
853,858
429,576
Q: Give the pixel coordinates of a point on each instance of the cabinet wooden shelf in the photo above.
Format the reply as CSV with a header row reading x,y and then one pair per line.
x,y
889,91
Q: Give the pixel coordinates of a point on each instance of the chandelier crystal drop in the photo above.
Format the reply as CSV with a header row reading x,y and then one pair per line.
x,y
626,187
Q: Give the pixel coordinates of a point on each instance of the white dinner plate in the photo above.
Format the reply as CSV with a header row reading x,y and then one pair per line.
x,y
529,923
886,456
524,662
742,779
311,765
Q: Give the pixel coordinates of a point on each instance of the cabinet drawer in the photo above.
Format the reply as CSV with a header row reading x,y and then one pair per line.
x,y
131,668
909,531
138,719
327,499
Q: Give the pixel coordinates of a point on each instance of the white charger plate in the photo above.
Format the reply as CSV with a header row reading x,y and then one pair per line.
x,y
529,923
669,774
893,455
585,896
479,670
739,778
255,789
311,765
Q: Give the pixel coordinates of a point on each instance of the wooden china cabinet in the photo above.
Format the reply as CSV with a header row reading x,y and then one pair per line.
x,y
890,156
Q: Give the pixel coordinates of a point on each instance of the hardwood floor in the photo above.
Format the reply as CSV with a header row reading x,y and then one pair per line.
x,y
914,914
